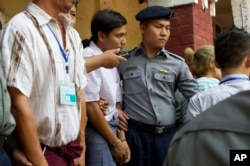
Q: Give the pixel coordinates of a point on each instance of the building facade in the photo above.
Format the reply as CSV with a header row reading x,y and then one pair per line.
x,y
195,22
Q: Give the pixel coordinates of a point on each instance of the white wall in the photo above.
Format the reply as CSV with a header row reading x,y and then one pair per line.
x,y
241,13
171,3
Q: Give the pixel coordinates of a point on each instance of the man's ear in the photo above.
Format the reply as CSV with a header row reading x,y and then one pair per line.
x,y
142,27
248,61
101,36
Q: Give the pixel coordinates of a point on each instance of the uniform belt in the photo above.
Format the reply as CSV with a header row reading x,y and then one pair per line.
x,y
150,128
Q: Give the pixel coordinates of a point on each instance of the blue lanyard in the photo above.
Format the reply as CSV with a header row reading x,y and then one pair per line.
x,y
234,78
65,57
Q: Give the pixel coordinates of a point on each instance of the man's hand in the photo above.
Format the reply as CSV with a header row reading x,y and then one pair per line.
x,y
121,152
19,158
128,152
107,59
111,59
103,105
123,121
81,160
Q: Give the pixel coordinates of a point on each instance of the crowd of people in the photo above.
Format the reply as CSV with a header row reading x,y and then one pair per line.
x,y
67,101
217,119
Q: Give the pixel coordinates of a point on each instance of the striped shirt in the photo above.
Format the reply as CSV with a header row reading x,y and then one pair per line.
x,y
30,67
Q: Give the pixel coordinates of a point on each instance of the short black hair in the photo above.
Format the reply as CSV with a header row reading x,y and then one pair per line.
x,y
231,47
105,21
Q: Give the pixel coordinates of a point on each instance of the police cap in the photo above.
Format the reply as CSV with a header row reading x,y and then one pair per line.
x,y
154,12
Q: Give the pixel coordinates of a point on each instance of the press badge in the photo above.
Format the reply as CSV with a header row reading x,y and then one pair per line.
x,y
67,93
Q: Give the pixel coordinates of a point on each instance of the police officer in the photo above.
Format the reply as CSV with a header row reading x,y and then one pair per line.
x,y
150,78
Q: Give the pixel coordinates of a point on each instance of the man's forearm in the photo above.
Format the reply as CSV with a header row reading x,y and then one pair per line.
x,y
83,121
26,128
95,116
93,63
27,134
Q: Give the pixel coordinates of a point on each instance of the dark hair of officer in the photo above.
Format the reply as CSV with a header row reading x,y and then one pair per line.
x,y
231,47
104,21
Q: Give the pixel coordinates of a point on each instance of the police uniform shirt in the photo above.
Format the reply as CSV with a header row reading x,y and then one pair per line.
x,y
149,86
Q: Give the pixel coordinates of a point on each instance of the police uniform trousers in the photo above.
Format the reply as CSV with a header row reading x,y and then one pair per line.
x,y
148,143
4,158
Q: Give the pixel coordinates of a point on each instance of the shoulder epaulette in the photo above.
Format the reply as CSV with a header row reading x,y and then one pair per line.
x,y
175,55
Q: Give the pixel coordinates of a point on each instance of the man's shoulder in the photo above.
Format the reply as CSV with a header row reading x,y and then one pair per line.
x,y
207,93
91,50
205,99
18,20
227,119
175,56
20,23
231,109
88,52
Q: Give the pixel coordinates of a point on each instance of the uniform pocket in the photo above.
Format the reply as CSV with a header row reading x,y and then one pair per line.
x,y
164,77
164,82
132,82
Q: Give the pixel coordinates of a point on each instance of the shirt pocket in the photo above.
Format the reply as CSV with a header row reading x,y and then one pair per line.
x,y
164,82
132,82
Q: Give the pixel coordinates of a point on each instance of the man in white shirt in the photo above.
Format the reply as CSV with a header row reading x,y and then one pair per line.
x,y
105,144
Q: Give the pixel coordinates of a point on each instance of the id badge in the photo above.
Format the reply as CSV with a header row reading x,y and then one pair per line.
x,y
67,93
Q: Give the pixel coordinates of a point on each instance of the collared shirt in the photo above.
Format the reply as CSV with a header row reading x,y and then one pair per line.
x,y
30,68
103,82
150,84
229,86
